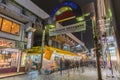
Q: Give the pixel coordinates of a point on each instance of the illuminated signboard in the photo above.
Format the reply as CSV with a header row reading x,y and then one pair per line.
x,y
64,15
7,43
29,44
66,3
81,26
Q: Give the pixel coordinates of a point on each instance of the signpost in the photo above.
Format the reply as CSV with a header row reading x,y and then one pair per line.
x,y
81,26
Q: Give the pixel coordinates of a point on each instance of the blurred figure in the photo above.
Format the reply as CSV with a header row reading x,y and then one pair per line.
x,y
82,64
77,64
61,65
28,64
67,64
36,63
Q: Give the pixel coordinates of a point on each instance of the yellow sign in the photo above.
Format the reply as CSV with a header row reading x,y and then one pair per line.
x,y
48,54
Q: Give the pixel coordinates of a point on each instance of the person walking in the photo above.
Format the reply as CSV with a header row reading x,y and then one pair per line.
x,y
61,65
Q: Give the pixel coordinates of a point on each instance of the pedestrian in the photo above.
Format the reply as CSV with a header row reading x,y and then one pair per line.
x,y
77,64
36,64
82,64
26,65
30,64
61,65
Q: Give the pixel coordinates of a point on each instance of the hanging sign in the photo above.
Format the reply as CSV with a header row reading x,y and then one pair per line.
x,y
48,54
66,3
64,15
81,26
29,44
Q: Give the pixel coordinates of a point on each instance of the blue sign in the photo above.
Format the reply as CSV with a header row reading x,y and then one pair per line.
x,y
66,3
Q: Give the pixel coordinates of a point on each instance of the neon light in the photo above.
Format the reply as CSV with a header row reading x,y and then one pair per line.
x,y
66,3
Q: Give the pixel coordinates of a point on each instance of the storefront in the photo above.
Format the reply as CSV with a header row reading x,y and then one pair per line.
x,y
53,56
35,59
11,59
33,55
22,62
8,56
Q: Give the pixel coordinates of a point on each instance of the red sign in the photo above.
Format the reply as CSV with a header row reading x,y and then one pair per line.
x,y
64,15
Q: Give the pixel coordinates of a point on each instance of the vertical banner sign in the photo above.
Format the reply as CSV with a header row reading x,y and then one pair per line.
x,y
29,40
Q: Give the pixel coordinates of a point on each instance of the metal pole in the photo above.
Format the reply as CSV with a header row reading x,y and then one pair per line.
x,y
95,35
42,48
98,58
100,13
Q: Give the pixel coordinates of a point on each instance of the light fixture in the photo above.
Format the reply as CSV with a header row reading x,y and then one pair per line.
x,y
50,26
81,18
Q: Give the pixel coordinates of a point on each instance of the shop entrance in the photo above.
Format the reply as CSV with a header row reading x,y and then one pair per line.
x,y
33,62
8,60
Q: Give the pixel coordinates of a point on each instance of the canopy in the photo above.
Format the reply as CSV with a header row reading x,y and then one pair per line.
x,y
37,50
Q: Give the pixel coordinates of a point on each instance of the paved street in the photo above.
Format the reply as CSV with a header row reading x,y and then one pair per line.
x,y
74,74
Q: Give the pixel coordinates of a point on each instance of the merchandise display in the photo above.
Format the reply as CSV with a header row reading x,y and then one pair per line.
x,y
23,60
8,59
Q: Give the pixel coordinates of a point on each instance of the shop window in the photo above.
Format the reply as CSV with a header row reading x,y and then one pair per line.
x,y
9,26
6,25
15,29
23,60
8,59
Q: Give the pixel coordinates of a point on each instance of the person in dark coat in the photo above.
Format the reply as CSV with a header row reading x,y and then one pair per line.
x,y
61,66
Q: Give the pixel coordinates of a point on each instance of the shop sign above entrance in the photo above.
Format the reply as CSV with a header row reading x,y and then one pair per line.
x,y
7,43
81,26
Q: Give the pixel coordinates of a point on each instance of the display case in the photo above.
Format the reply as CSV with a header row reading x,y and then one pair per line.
x,y
8,59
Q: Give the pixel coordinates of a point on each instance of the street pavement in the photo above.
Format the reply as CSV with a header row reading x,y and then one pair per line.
x,y
71,74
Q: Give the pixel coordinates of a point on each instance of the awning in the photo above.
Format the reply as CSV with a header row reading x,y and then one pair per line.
x,y
34,50
59,51
37,50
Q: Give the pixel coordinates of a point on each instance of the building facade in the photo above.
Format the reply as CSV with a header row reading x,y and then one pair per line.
x,y
16,20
